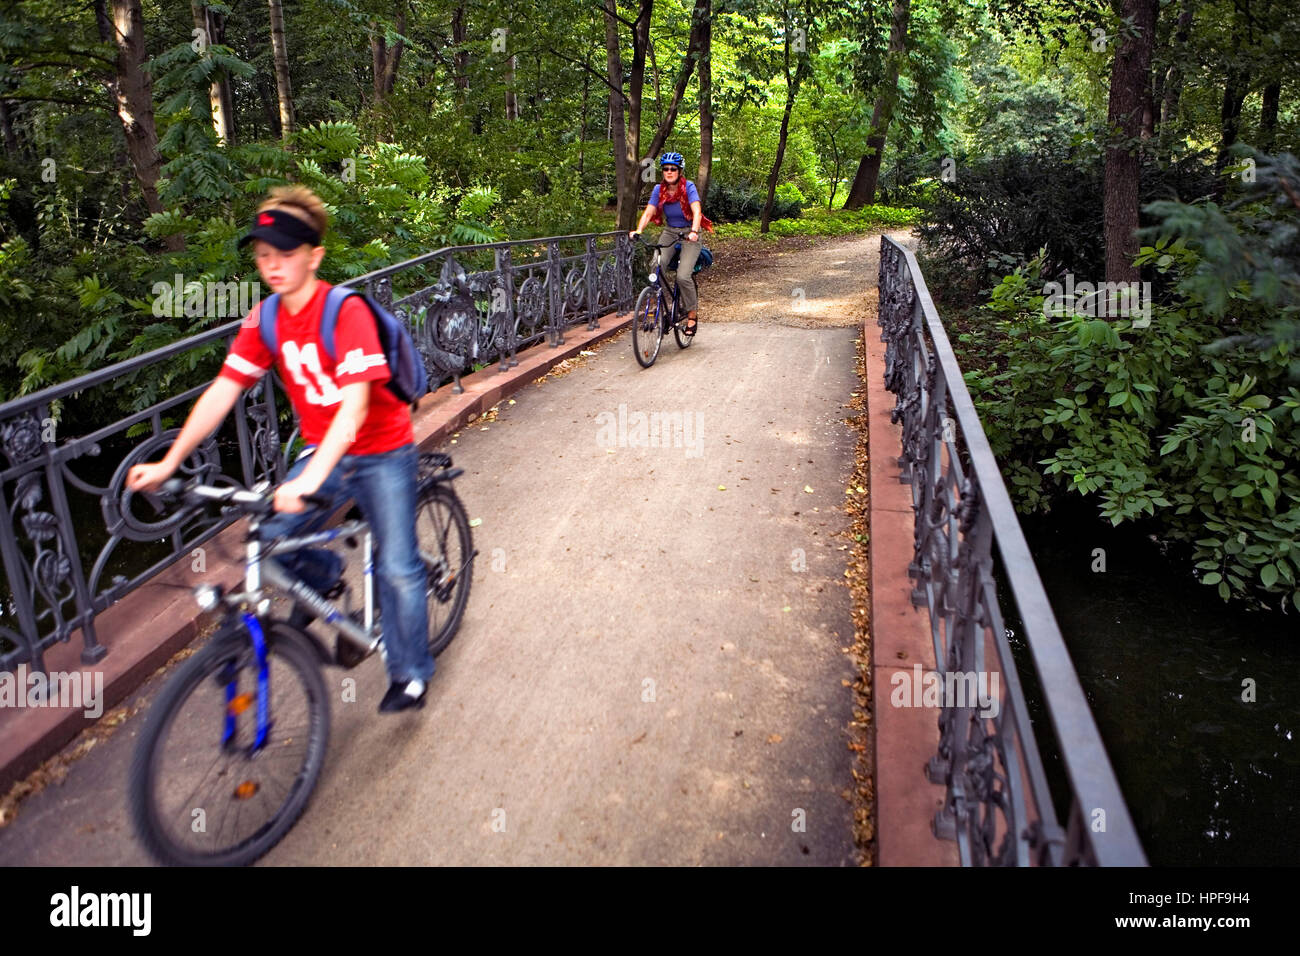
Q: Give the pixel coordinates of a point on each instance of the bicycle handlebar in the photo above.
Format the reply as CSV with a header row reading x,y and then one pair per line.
x,y
253,502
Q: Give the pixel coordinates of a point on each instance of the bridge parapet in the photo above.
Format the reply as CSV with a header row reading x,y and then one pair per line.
x,y
998,806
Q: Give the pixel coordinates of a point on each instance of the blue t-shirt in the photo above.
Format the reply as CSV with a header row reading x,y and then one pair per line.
x,y
673,211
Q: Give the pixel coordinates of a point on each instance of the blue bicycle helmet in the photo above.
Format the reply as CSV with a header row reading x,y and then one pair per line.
x,y
672,159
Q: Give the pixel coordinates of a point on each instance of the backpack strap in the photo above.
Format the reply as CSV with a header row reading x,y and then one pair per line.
x,y
329,318
266,319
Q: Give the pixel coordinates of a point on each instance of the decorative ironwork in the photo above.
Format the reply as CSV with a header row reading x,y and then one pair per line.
x,y
63,568
997,804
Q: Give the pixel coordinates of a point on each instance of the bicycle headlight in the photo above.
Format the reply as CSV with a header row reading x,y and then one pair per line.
x,y
208,596
654,277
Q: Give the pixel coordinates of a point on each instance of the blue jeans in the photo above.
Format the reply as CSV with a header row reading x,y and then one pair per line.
x,y
384,487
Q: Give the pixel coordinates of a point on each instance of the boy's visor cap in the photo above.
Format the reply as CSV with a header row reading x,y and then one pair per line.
x,y
282,230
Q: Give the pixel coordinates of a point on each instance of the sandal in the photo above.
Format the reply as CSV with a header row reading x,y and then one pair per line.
x,y
691,323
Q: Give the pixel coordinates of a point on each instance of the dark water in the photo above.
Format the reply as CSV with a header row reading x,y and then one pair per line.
x,y
1209,778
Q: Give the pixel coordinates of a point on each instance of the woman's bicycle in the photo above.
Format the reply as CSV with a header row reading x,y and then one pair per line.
x,y
657,310
234,744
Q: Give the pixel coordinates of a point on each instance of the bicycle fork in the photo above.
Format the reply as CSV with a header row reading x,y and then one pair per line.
x,y
237,703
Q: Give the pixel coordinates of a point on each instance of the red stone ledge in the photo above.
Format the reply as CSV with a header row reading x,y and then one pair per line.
x,y
144,629
906,737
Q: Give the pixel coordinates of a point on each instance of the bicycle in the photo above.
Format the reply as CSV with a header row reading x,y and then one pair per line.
x,y
653,314
262,733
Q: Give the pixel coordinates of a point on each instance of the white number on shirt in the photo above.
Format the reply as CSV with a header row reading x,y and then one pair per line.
x,y
304,366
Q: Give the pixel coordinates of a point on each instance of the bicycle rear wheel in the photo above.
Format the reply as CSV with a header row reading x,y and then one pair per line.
x,y
446,546
647,326
200,796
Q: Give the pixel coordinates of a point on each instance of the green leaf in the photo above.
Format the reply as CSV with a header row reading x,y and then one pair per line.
x,y
1119,398
1268,574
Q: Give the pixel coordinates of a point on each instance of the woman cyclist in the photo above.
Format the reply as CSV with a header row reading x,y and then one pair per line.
x,y
677,200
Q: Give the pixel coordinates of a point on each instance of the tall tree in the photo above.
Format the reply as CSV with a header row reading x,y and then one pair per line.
x,y
212,26
706,105
863,190
385,59
1129,85
131,90
796,36
280,53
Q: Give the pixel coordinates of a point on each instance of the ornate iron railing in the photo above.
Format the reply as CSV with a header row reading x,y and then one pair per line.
x,y
465,305
998,806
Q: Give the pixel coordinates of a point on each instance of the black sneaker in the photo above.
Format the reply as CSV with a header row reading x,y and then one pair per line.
x,y
402,695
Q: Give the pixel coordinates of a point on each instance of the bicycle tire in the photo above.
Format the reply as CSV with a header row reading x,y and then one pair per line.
x,y
432,527
288,651
647,326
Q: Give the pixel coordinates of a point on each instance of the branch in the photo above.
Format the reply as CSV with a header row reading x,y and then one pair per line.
x,y
596,73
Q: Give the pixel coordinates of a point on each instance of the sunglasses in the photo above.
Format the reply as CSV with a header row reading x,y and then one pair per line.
x,y
671,169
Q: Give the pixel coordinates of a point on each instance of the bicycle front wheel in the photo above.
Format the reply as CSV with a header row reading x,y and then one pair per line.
x,y
446,547
647,327
200,792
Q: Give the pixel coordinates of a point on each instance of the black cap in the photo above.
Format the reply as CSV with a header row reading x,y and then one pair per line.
x,y
282,230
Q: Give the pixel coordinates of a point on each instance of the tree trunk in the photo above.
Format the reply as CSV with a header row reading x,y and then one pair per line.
x,y
617,123
460,59
280,52
586,90
384,61
11,140
1235,88
213,26
669,117
132,95
1174,77
269,109
792,84
512,101
632,162
706,105
1129,82
863,190
1268,116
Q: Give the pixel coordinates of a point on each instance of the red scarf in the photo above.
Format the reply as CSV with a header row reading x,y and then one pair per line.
x,y
666,195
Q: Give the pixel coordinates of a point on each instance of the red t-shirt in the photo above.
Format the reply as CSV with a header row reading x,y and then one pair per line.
x,y
313,379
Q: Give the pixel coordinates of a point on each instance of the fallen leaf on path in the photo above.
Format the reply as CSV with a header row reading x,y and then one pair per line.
x,y
475,522
774,739
808,488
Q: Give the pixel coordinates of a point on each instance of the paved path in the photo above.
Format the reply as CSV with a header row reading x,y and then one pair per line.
x,y
641,677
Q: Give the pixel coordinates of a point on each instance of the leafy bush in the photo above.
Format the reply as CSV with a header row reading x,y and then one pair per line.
x,y
1174,421
741,200
1002,211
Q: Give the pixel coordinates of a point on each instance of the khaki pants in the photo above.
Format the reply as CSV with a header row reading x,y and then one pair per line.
x,y
685,266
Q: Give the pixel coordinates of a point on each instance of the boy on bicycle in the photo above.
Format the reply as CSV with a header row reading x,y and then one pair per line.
x,y
360,443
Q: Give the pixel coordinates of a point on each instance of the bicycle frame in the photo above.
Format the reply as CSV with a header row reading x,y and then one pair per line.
x,y
666,308
255,570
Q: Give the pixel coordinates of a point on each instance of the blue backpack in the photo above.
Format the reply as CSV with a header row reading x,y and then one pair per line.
x,y
703,262
409,381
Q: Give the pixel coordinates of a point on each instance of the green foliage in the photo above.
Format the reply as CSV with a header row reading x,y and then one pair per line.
x,y
818,222
1149,423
